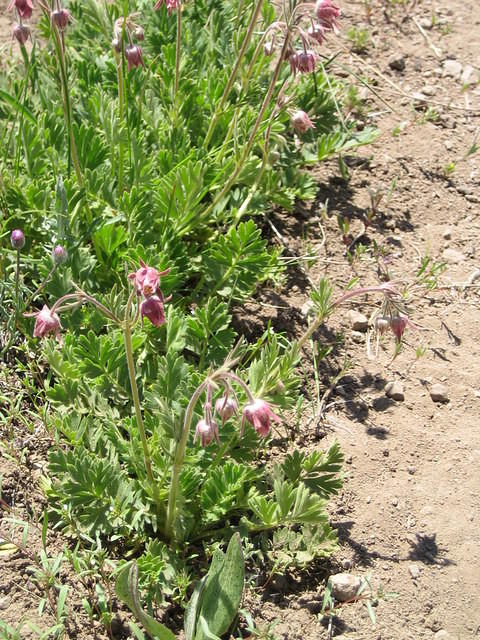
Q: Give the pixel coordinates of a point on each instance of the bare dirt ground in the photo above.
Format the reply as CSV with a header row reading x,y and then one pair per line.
x,y
409,514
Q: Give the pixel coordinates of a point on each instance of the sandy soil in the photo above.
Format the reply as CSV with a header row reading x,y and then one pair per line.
x,y
409,515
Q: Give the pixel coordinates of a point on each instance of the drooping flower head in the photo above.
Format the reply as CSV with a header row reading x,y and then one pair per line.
x,y
46,322
259,415
60,18
24,8
147,279
303,61
206,432
301,121
133,56
172,5
152,308
398,325
317,33
21,33
226,407
327,13
17,239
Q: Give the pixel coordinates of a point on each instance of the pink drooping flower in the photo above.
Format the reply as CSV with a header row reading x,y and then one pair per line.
x,y
152,308
226,407
172,5
382,324
147,279
398,324
301,121
259,414
303,61
133,56
60,18
17,239
206,432
46,322
21,33
327,13
24,8
317,33
59,254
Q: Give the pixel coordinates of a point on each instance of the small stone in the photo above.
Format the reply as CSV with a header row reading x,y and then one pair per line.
x,y
429,90
345,586
426,23
452,68
442,635
447,233
395,502
346,564
414,571
439,393
358,320
394,390
397,62
4,602
452,256
307,309
412,470
468,75
448,144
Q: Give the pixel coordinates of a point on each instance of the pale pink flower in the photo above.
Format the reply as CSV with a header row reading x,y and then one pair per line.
x,y
147,279
59,254
301,121
172,5
206,432
398,324
303,61
259,414
46,322
327,13
226,407
60,18
317,33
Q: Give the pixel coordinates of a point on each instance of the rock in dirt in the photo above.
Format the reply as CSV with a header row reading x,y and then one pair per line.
x,y
429,90
397,62
344,586
358,320
414,571
442,635
4,602
394,390
439,393
452,256
452,68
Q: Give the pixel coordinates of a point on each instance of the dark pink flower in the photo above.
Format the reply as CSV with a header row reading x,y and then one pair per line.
x,y
327,13
301,121
152,308
206,432
226,407
45,322
59,254
259,414
21,33
24,8
398,324
317,33
172,5
147,279
303,61
134,57
61,18
17,238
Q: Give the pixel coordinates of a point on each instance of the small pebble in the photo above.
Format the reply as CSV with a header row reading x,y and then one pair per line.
x,y
414,571
394,390
397,62
447,233
439,393
452,68
345,586
452,256
358,320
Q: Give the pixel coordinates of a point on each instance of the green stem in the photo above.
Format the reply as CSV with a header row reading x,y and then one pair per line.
x,y
127,334
17,287
233,74
121,109
178,460
177,50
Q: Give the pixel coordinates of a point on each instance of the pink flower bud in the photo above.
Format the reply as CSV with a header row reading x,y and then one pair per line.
x,y
317,33
382,324
24,7
45,322
147,279
172,5
301,122
306,61
17,239
61,18
117,44
327,13
259,414
133,55
206,432
226,407
21,33
139,33
152,308
269,47
59,254
398,324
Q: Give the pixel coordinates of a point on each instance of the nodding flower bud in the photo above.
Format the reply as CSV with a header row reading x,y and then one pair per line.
x,y
327,13
152,308
306,62
21,33
172,5
24,8
46,322
317,33
226,407
382,324
117,44
259,414
133,55
139,34
60,18
206,432
59,254
17,239
301,122
398,324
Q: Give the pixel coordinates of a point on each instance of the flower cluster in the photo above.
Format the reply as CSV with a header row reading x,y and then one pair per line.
x,y
127,29
147,282
24,10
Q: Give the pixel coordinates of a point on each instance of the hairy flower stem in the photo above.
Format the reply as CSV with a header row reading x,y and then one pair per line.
x,y
233,74
67,106
127,335
41,285
17,287
178,51
346,296
248,147
121,109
